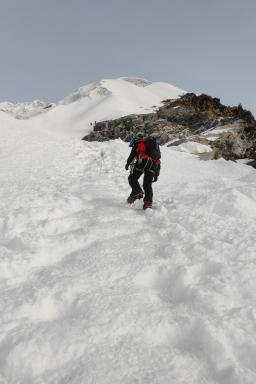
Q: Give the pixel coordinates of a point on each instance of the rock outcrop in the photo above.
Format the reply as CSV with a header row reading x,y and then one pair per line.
x,y
230,131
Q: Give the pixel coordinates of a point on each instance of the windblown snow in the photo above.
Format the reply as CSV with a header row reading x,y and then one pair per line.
x,y
96,291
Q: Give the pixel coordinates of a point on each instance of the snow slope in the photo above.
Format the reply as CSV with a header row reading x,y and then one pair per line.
x,y
96,291
107,99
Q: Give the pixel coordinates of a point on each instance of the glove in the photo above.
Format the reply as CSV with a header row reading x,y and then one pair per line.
x,y
155,178
127,167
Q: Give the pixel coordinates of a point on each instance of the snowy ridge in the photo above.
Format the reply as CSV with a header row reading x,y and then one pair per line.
x,y
106,99
25,110
96,291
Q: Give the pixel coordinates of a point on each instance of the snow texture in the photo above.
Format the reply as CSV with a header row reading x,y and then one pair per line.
x,y
96,291
192,147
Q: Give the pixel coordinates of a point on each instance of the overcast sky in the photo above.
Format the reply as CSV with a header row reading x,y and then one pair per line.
x,y
51,47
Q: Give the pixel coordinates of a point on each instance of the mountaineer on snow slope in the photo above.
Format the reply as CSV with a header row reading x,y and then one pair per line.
x,y
145,159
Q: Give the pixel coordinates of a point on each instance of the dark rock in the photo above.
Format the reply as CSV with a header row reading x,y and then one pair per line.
x,y
231,146
189,118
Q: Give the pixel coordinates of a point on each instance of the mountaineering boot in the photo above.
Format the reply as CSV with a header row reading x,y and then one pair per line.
x,y
147,204
134,197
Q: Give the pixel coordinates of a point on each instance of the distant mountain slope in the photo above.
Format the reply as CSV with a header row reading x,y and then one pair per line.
x,y
25,110
106,99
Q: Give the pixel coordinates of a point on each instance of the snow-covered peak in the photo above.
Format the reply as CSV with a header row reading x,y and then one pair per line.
x,y
122,87
131,94
107,99
102,88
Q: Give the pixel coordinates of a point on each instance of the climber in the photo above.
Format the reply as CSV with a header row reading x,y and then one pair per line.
x,y
146,154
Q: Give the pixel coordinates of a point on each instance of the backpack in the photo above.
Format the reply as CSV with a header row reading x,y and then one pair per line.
x,y
152,148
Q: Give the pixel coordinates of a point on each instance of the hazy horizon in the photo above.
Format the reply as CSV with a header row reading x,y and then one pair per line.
x,y
49,49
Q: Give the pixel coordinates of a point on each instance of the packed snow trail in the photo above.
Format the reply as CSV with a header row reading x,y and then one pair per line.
x,y
96,291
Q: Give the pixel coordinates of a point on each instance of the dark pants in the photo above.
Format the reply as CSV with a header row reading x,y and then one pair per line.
x,y
147,183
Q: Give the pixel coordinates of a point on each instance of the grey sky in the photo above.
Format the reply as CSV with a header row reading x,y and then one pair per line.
x,y
51,47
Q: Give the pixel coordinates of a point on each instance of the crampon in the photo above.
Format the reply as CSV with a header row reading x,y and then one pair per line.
x,y
136,196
